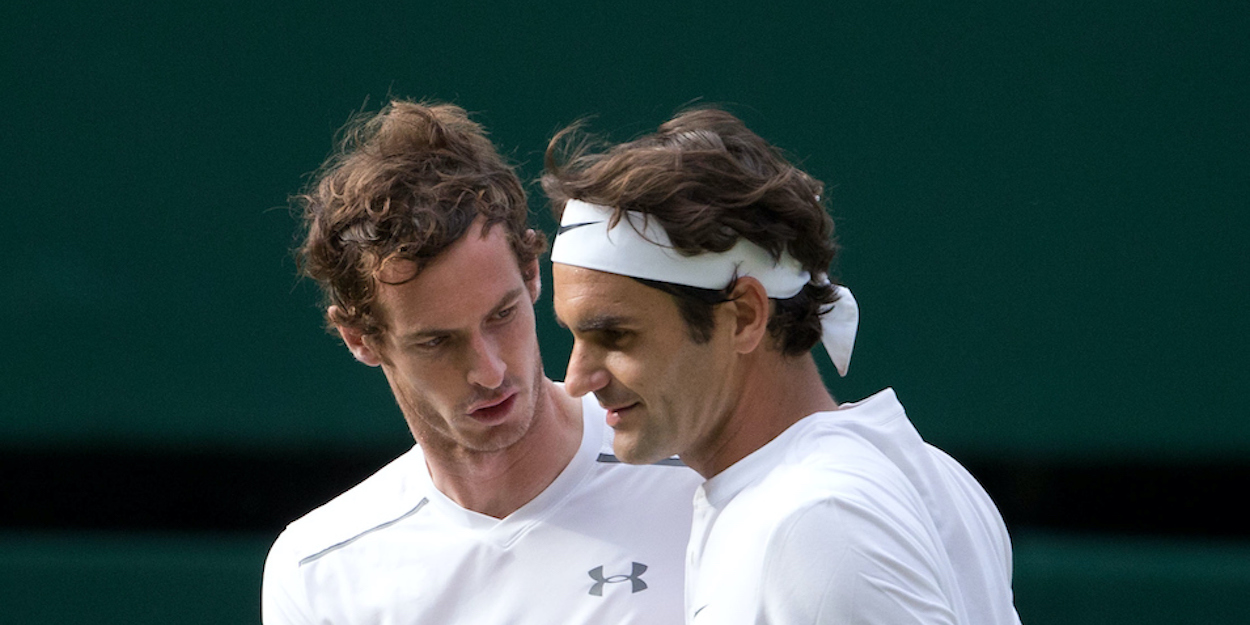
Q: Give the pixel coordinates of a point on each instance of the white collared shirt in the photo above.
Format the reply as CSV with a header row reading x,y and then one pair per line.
x,y
602,544
848,517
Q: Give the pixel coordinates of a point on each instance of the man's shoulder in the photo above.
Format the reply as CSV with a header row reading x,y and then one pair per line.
x,y
389,494
843,489
850,448
825,465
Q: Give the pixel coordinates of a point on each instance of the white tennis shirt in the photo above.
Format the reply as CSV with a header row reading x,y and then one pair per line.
x,y
848,517
602,544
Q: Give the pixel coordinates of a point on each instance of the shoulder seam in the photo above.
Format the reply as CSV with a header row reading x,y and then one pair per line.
x,y
667,462
340,545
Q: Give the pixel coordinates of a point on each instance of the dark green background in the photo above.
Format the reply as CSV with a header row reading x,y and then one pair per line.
x,y
1041,203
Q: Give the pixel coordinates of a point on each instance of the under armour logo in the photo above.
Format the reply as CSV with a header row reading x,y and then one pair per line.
x,y
635,579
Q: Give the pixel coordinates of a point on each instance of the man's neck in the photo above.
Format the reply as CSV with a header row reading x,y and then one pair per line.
x,y
775,393
499,483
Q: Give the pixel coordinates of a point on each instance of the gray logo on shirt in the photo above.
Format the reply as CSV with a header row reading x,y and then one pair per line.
x,y
634,578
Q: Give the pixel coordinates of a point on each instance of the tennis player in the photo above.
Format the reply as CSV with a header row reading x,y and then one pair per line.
x,y
691,269
511,508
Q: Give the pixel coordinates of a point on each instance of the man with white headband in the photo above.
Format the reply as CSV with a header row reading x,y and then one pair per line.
x,y
511,507
690,267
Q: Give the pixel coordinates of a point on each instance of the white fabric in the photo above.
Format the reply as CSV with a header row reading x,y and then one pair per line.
x,y
847,518
640,248
394,550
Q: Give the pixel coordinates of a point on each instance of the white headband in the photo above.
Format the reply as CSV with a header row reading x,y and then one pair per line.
x,y
642,249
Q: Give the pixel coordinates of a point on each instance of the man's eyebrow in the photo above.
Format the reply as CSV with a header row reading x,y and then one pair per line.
x,y
602,322
421,334
507,300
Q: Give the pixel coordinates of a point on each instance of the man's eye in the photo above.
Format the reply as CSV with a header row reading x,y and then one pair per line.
x,y
432,343
613,338
505,313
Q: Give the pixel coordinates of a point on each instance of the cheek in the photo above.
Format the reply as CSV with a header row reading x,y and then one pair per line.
x,y
521,340
655,373
626,369
429,379
692,376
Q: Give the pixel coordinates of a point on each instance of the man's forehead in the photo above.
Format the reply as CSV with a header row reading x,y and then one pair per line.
x,y
477,244
599,295
397,270
434,312
472,278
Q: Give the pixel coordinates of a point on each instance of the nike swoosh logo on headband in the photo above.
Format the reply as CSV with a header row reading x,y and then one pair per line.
x,y
564,229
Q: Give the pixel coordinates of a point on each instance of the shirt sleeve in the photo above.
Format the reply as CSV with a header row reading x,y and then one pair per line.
x,y
853,562
282,597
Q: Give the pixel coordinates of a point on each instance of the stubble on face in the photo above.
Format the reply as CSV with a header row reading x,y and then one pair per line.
x,y
640,439
452,431
460,352
671,418
662,389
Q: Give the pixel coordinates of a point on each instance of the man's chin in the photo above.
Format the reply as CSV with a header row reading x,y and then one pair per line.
x,y
495,439
628,451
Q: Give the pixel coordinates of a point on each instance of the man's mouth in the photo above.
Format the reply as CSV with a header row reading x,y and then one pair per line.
x,y
495,409
616,413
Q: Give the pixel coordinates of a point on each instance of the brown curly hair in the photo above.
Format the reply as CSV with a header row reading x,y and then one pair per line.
x,y
709,181
404,183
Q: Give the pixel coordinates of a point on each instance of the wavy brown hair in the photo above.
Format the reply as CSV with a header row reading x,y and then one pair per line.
x,y
709,181
404,183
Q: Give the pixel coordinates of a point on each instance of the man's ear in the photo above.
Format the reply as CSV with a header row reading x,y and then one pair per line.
x,y
355,341
751,308
533,280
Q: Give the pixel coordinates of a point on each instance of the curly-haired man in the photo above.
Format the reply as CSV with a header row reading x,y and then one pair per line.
x,y
511,507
